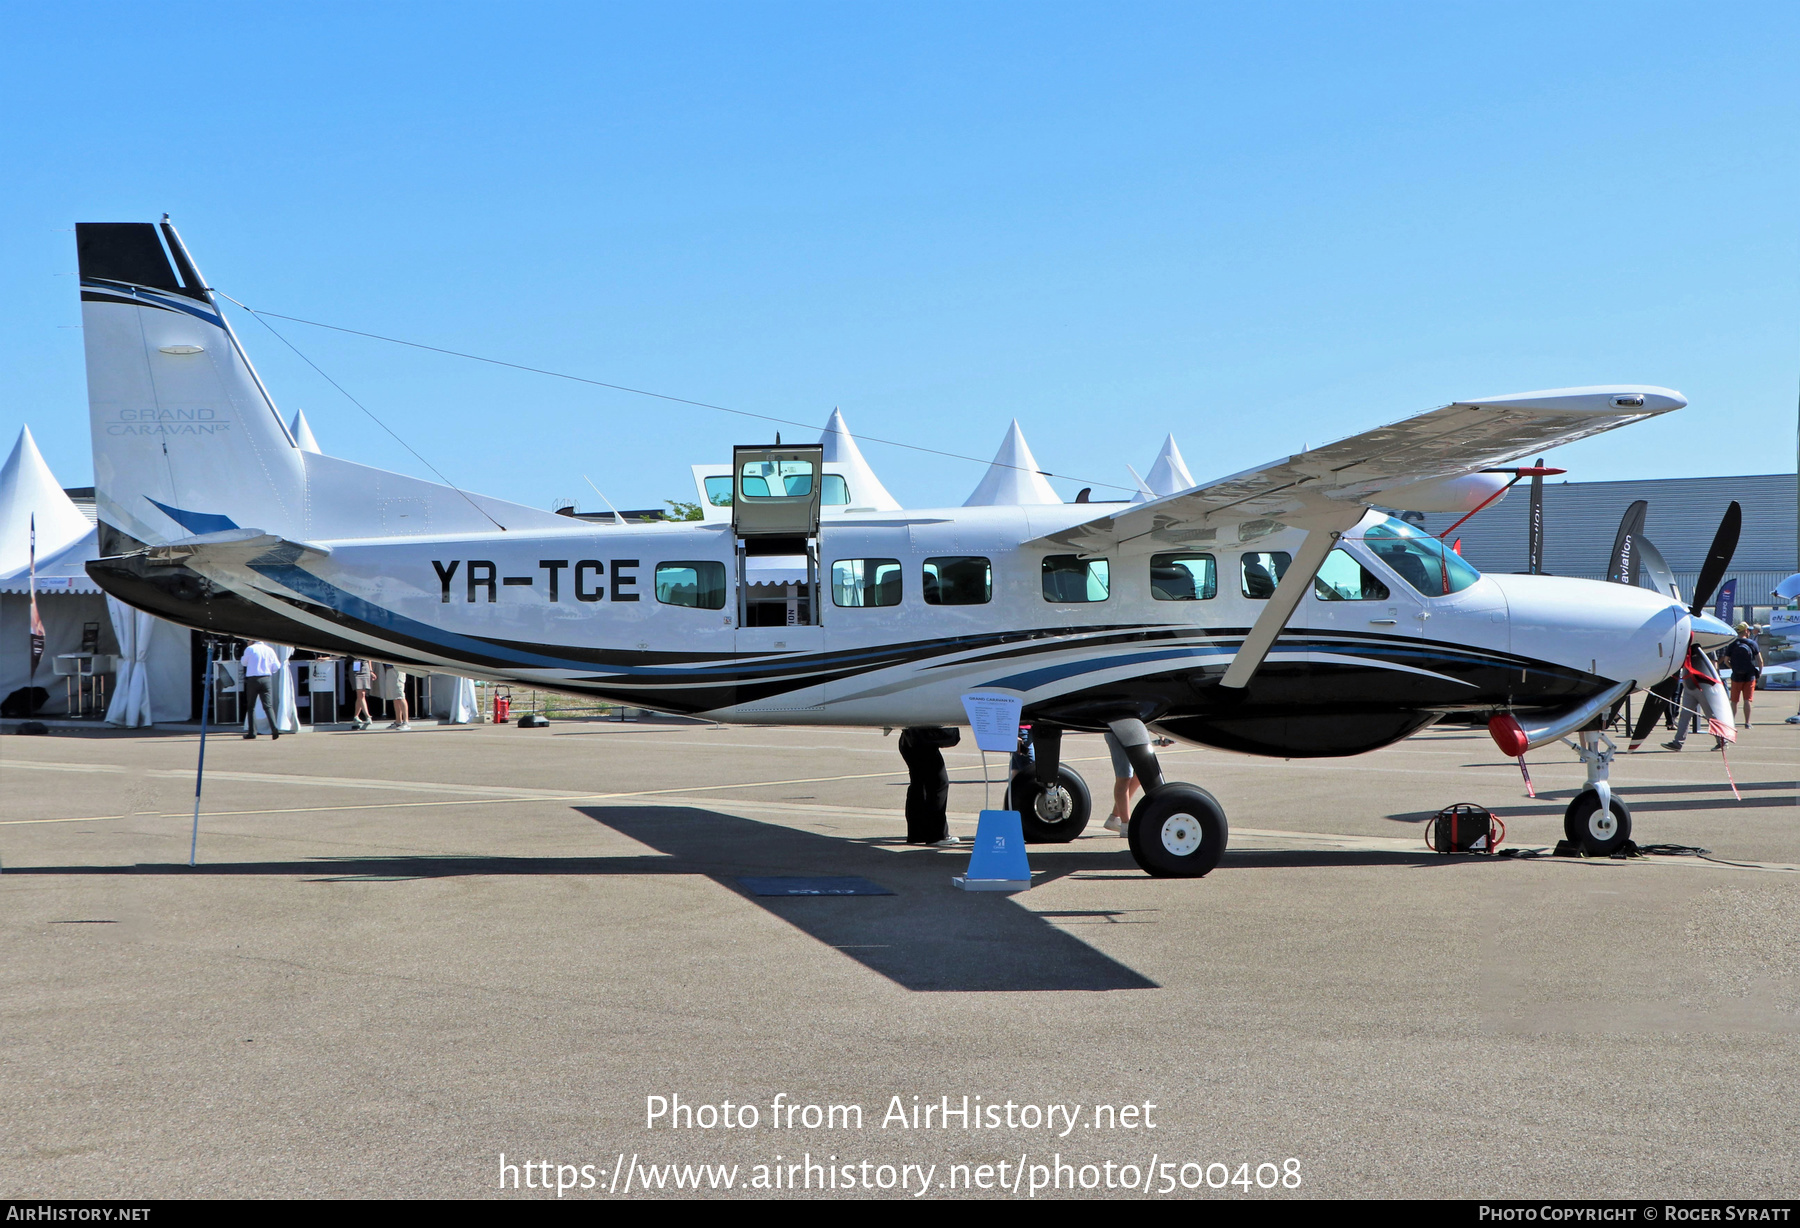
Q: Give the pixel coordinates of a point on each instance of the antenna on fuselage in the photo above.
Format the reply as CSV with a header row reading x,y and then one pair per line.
x,y
604,499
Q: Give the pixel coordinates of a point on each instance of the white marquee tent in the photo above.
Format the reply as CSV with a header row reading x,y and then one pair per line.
x,y
154,677
866,489
1168,475
303,433
1013,477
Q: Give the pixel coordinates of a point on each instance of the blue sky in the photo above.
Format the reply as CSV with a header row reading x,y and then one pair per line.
x,y
1256,226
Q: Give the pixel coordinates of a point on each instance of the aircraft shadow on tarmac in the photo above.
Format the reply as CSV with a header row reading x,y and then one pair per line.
x,y
927,936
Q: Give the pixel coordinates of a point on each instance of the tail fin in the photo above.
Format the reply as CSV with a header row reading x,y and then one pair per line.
x,y
188,441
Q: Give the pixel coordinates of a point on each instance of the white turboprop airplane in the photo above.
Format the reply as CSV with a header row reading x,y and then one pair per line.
x,y
1273,611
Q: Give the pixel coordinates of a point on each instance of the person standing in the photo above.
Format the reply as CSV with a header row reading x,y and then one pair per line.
x,y
360,674
928,784
1684,715
393,689
1745,659
1125,783
260,664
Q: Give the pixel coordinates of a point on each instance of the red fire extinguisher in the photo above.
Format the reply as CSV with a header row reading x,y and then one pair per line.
x,y
502,704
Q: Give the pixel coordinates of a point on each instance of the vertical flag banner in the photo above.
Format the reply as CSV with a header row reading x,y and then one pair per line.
x,y
37,624
1727,604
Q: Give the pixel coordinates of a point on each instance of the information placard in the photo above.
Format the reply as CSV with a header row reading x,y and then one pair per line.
x,y
995,720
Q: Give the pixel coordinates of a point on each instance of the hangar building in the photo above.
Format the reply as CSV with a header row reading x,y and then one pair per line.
x,y
1581,518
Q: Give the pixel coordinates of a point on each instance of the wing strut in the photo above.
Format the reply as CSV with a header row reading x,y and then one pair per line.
x,y
1293,586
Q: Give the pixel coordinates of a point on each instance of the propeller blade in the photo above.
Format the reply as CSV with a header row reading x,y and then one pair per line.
x,y
1535,541
1621,565
1724,545
1662,579
1659,699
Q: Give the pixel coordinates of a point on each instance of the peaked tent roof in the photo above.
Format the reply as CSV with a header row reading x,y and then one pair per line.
x,y
303,433
1013,477
28,488
61,571
1168,475
866,489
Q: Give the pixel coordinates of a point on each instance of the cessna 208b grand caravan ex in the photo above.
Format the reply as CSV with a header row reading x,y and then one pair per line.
x,y
1273,612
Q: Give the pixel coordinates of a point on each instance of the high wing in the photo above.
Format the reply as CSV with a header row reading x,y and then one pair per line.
x,y
1420,452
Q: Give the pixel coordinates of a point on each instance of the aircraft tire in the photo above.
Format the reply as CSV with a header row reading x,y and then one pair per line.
x,y
1057,819
1597,835
1178,830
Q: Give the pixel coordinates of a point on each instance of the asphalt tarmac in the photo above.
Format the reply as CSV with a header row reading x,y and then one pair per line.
x,y
404,955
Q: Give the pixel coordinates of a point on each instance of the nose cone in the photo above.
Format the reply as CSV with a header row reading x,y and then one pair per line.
x,y
1710,632
1609,630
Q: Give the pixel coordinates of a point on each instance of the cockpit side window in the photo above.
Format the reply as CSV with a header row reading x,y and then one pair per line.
x,y
1421,560
1344,578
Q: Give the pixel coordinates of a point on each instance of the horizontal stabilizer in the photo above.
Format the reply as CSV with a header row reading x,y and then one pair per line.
x,y
236,547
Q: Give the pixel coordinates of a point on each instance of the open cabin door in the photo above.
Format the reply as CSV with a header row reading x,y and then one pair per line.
x,y
776,493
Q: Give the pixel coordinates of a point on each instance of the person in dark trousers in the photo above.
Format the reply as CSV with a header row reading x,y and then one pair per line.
x,y
928,784
1745,660
260,664
1687,701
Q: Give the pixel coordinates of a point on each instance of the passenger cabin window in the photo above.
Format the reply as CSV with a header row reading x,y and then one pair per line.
x,y
699,585
1183,577
1344,578
864,582
1262,571
718,491
958,580
1069,578
1419,558
833,491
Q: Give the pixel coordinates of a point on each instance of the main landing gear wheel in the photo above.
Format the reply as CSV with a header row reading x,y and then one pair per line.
x,y
1050,816
1599,833
1178,830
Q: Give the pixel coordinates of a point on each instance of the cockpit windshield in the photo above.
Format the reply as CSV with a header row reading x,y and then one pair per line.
x,y
1419,558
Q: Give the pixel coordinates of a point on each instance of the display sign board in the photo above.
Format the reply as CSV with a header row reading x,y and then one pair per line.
x,y
995,721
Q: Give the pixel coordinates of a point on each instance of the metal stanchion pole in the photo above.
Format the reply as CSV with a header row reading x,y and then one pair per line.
x,y
200,771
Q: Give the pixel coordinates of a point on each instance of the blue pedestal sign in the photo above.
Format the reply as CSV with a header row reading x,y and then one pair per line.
x,y
998,862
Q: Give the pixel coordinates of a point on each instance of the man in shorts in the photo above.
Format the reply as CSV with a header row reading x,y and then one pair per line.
x,y
1745,661
1125,783
393,689
361,672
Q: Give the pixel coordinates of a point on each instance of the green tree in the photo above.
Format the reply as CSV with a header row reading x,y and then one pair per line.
x,y
679,510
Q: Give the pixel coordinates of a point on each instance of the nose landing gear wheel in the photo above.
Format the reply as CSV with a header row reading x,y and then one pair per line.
x,y
1051,816
1178,830
1599,833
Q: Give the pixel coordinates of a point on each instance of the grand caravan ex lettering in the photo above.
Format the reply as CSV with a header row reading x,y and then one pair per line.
x,y
588,578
